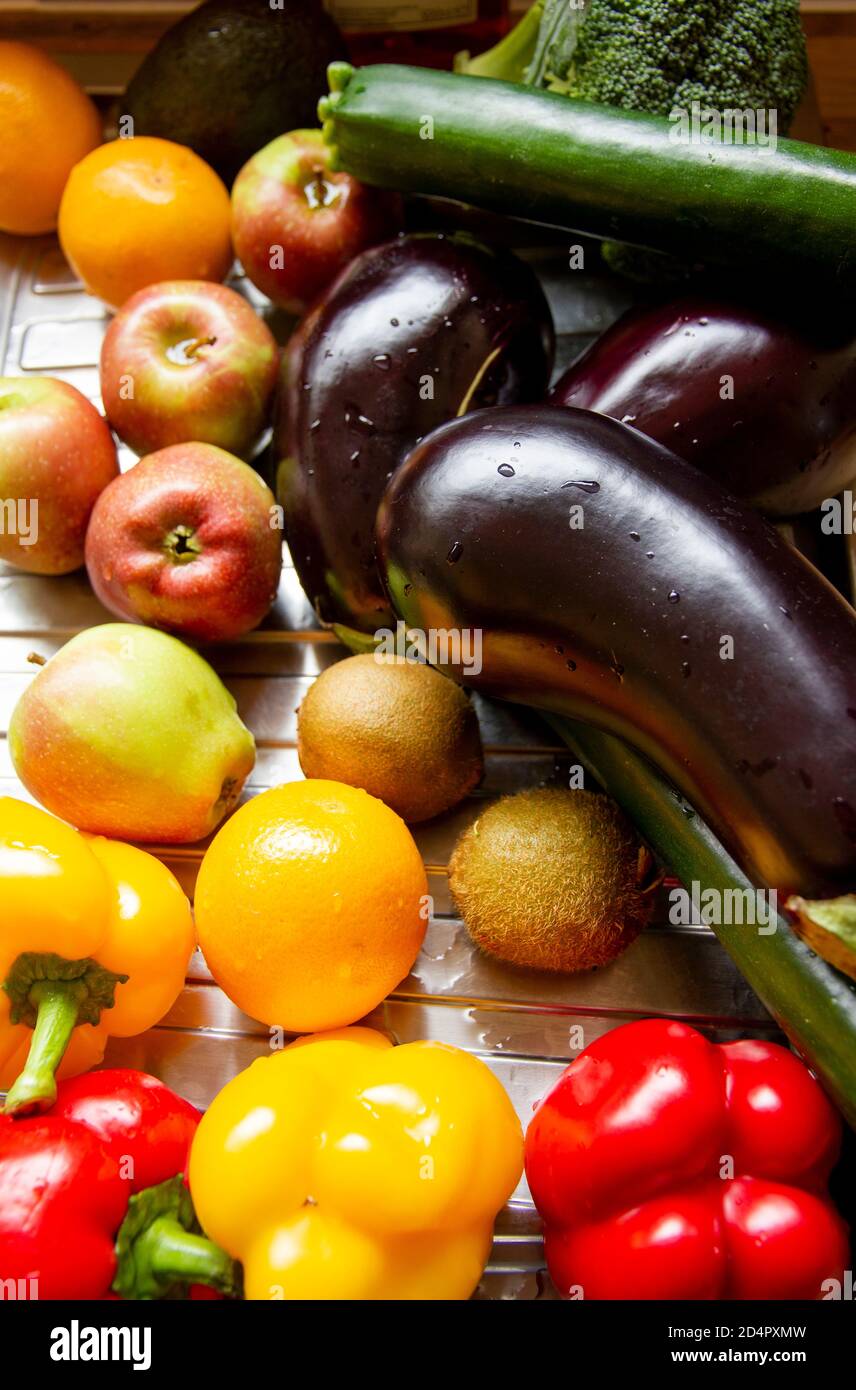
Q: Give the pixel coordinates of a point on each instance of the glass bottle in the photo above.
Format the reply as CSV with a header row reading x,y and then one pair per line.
x,y
427,33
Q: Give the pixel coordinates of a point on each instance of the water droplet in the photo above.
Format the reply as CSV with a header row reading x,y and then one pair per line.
x,y
394,322
634,536
516,444
786,612
685,637
456,550
674,596
571,665
584,486
316,425
649,554
686,668
382,361
355,419
408,589
506,470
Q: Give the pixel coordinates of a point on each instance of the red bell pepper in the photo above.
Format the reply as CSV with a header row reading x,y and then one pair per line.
x,y
92,1195
668,1167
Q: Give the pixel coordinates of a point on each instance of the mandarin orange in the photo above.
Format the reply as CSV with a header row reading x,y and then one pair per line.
x,y
141,210
311,905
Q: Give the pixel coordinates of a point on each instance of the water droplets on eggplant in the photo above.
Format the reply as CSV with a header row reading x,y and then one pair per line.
x,y
456,550
356,420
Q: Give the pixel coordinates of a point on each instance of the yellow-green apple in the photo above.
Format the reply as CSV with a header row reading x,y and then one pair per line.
x,y
296,224
56,455
188,540
127,732
185,360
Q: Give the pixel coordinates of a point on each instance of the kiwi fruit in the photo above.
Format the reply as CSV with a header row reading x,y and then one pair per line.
x,y
552,880
396,728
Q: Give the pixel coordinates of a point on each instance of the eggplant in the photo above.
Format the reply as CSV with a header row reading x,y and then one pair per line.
x,y
613,583
413,333
785,439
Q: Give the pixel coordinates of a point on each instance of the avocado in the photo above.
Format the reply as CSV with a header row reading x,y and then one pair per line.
x,y
234,74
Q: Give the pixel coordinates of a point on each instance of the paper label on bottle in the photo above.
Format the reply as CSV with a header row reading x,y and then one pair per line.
x,y
379,16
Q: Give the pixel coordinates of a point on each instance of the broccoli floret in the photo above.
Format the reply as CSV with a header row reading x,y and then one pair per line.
x,y
655,55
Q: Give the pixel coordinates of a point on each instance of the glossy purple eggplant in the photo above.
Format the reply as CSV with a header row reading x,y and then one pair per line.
x,y
412,333
612,582
767,408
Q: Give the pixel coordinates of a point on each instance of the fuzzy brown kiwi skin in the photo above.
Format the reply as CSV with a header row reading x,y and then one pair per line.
x,y
552,880
396,728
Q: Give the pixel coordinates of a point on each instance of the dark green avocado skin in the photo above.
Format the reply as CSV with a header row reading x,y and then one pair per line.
x,y
233,75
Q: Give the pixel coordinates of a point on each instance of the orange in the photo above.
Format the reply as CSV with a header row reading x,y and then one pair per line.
x,y
311,905
47,123
140,210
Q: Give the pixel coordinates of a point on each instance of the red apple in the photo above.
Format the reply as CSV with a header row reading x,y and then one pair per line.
x,y
187,541
56,455
296,224
188,360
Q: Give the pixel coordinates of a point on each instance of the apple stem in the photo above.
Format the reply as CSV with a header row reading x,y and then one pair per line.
x,y
196,343
37,659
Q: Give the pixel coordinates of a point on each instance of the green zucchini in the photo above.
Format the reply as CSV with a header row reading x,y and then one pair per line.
x,y
604,172
813,1004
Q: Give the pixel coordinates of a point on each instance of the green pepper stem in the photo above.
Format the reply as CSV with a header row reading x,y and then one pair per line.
x,y
160,1249
58,1004
167,1254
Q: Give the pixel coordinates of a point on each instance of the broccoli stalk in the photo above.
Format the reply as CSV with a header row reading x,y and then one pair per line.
x,y
509,59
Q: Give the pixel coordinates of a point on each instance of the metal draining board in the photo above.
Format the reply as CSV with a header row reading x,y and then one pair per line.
x,y
523,1024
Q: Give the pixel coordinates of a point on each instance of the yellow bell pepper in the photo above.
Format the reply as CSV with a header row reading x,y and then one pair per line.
x,y
342,1167
95,937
